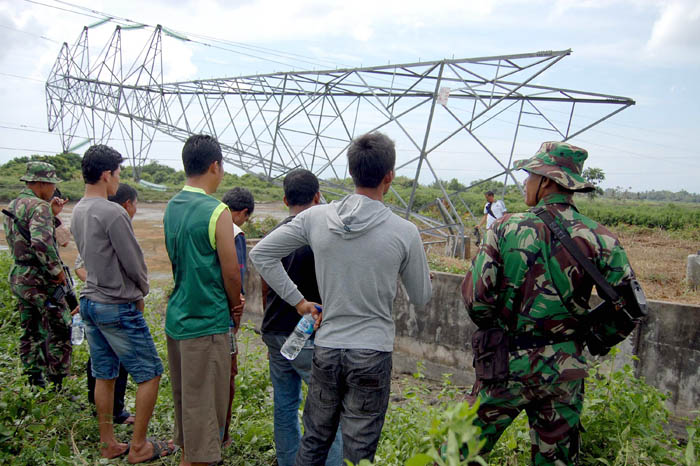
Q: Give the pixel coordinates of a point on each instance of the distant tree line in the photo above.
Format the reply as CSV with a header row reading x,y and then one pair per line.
x,y
68,169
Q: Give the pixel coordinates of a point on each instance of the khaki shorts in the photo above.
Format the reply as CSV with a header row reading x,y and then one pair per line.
x,y
200,371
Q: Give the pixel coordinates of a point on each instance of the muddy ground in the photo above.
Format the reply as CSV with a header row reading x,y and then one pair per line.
x,y
148,226
658,257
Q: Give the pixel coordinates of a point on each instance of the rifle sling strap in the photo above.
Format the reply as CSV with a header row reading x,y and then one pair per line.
x,y
562,235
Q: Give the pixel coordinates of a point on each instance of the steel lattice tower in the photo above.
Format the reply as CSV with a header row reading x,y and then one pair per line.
x,y
269,124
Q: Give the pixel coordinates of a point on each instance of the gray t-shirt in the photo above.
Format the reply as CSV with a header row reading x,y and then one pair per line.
x,y
360,249
116,269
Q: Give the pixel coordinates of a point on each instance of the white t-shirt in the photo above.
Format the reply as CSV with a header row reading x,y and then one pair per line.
x,y
498,208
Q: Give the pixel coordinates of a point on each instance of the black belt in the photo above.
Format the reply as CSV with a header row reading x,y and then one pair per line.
x,y
521,342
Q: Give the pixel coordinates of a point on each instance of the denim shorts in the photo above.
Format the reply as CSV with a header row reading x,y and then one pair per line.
x,y
119,333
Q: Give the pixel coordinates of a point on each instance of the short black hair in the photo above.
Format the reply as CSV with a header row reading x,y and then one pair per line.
x,y
300,187
199,152
370,157
97,160
238,199
124,193
488,193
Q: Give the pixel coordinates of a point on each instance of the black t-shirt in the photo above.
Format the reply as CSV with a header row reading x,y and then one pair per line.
x,y
280,317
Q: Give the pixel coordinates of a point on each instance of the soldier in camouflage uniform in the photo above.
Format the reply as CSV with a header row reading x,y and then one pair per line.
x,y
45,346
524,281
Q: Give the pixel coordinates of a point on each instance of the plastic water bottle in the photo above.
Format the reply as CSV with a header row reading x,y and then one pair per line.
x,y
77,331
292,347
232,336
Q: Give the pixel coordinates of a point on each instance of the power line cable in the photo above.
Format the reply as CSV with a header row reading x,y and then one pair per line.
x,y
29,33
89,12
268,50
62,9
29,78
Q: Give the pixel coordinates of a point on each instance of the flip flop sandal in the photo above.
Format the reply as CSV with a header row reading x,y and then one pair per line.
x,y
159,447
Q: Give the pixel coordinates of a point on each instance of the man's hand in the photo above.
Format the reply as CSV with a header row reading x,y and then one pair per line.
x,y
140,305
305,307
57,205
309,307
75,311
237,313
60,278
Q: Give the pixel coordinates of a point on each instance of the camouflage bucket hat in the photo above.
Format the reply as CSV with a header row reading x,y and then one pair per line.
x,y
560,162
40,171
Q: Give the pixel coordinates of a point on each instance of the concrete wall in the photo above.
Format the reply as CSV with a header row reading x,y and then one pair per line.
x,y
667,344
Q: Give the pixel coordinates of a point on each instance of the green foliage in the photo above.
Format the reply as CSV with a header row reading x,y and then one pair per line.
x,y
653,195
440,263
624,418
156,173
39,427
448,435
67,168
646,214
610,211
595,176
259,227
67,165
625,422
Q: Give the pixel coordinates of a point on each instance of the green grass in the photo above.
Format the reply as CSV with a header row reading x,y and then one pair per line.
x,y
624,417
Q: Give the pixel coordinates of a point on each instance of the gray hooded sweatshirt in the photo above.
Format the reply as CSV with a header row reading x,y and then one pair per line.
x,y
360,248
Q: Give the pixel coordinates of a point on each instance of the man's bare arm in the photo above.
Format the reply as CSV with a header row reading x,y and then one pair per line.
x,y
226,250
81,273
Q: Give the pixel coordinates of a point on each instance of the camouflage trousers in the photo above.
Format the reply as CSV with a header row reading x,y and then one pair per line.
x,y
44,345
553,412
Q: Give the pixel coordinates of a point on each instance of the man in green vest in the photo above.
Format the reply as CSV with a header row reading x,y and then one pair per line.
x,y
207,291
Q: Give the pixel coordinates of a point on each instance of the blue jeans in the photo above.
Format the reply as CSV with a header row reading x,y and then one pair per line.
x,y
286,377
350,388
118,333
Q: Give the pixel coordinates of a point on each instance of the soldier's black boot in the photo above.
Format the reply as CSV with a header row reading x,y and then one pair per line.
x,y
36,379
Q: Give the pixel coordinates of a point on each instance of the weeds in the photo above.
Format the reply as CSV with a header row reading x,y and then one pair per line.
x,y
624,418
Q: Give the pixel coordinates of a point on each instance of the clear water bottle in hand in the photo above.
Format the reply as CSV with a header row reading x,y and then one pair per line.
x,y
77,331
292,347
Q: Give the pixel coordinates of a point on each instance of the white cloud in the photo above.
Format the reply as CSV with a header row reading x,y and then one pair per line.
x,y
676,33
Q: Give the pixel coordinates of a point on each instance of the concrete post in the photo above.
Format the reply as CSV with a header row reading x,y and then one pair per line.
x,y
693,271
457,246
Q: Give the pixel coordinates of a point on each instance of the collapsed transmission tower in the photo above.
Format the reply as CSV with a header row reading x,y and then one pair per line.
x,y
446,115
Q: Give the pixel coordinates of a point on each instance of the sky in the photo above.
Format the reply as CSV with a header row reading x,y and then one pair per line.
x,y
648,50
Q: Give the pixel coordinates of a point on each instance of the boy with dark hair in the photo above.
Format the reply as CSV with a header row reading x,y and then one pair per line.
x,y
241,204
370,158
301,192
207,293
127,197
199,152
111,305
97,160
356,237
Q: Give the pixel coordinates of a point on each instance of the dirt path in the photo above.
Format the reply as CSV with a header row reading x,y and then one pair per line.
x,y
658,258
148,226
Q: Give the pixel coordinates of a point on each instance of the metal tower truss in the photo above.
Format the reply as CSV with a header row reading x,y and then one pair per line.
x,y
446,116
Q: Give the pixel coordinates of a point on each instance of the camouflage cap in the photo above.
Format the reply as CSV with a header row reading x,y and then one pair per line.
x,y
560,162
40,171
